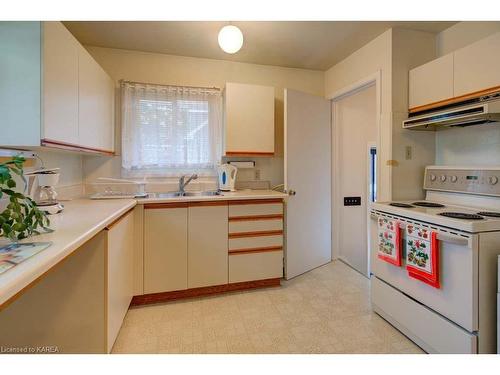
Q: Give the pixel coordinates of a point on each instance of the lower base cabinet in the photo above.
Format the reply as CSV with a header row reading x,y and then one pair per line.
x,y
193,245
207,244
256,266
64,312
120,272
165,247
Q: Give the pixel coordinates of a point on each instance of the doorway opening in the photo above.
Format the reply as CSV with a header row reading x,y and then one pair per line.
x,y
355,137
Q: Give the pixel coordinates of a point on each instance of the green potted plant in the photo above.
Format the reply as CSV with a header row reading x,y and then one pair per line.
x,y
21,218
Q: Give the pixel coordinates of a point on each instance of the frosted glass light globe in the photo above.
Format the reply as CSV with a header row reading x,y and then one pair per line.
x,y
230,39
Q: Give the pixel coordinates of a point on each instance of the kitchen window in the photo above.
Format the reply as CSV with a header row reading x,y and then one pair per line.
x,y
170,130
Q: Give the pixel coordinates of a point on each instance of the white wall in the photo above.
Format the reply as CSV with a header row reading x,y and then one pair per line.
x,y
462,34
376,56
179,70
392,53
476,145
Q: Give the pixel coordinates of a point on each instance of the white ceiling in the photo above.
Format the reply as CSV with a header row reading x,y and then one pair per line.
x,y
309,45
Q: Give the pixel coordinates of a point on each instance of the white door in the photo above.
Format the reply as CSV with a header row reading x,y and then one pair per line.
x,y
355,130
308,174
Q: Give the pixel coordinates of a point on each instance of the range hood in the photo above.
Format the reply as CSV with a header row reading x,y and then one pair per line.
x,y
459,115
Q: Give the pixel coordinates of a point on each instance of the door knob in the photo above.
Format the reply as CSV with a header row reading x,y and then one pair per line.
x,y
292,192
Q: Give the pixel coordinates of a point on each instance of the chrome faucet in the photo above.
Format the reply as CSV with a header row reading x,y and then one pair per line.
x,y
183,182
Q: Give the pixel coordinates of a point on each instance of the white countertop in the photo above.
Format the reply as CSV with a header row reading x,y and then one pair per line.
x,y
78,223
226,195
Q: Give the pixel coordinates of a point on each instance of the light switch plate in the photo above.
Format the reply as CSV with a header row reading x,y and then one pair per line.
x,y
408,153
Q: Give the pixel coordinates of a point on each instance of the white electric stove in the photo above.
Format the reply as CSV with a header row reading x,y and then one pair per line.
x,y
462,206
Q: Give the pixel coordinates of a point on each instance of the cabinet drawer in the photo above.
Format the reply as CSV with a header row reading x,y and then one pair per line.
x,y
255,225
428,329
245,243
255,209
255,266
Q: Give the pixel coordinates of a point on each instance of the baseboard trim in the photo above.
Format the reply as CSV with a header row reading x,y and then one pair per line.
x,y
203,291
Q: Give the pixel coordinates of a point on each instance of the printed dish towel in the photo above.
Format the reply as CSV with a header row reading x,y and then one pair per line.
x,y
389,241
422,255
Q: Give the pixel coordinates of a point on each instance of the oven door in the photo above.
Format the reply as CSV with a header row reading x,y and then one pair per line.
x,y
457,299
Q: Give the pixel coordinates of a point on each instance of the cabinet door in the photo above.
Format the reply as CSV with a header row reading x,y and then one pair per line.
x,y
165,248
249,119
120,274
207,249
476,66
431,82
60,84
96,97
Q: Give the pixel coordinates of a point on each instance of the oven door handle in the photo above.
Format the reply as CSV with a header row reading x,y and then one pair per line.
x,y
452,239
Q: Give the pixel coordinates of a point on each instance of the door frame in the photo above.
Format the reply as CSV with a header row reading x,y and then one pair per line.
x,y
370,80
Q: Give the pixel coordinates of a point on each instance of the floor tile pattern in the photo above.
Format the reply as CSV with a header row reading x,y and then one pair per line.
x,y
326,310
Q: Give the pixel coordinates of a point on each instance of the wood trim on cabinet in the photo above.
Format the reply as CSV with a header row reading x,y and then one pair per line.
x,y
255,250
74,147
255,201
454,100
153,206
207,203
203,291
249,153
256,218
256,234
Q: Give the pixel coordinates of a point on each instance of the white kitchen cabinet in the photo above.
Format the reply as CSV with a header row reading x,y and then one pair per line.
x,y
476,66
207,244
248,119
95,104
255,266
60,84
165,247
120,253
431,82
59,96
255,240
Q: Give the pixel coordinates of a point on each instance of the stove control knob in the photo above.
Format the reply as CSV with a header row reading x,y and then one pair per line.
x,y
454,178
493,180
433,177
443,178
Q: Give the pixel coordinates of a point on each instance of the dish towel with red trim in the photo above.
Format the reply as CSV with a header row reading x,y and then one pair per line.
x,y
389,241
422,254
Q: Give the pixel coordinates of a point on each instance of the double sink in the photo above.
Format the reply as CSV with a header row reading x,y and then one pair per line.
x,y
174,194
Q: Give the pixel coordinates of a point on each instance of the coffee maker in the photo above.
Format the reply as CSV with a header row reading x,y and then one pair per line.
x,y
42,190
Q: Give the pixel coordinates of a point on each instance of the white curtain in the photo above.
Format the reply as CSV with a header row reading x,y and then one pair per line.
x,y
170,130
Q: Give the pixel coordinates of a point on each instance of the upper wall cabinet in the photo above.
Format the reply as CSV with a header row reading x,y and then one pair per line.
x,y
60,84
468,72
95,103
476,66
249,120
53,93
431,82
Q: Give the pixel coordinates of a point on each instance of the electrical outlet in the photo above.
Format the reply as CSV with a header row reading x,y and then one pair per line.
x,y
408,153
257,174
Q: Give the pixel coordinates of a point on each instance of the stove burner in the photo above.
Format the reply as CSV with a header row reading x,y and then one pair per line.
x,y
428,204
403,205
488,213
461,215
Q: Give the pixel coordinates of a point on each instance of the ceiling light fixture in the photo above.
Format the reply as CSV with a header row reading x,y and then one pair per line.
x,y
230,39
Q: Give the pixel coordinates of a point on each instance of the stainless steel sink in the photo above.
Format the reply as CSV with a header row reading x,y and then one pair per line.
x,y
175,194
201,193
170,194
